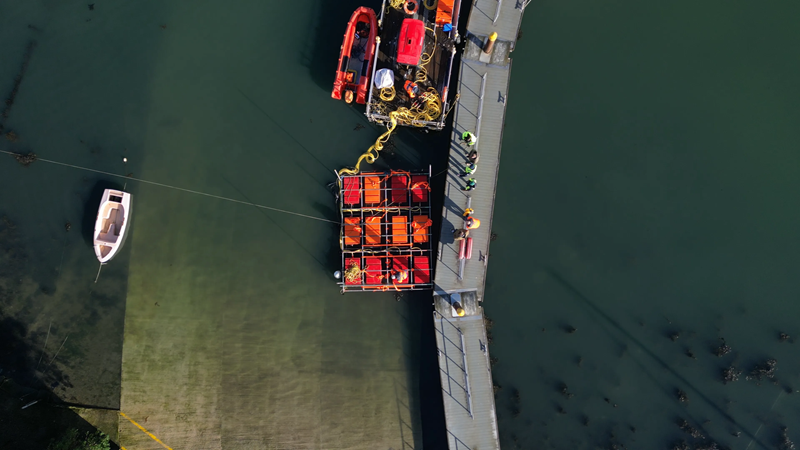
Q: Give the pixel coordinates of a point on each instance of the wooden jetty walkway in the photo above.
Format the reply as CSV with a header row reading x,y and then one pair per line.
x,y
462,343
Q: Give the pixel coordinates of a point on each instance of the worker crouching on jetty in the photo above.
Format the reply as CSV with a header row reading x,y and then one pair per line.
x,y
469,169
471,184
469,138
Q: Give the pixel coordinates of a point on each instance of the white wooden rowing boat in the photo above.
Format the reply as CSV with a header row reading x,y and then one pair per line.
x,y
111,226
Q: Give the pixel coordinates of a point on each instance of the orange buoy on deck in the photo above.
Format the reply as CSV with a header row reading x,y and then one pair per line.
x,y
410,7
411,88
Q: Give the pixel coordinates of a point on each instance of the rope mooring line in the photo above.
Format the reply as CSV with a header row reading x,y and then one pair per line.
x,y
144,430
219,197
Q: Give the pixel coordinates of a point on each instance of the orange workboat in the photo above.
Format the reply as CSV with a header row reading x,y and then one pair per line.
x,y
355,58
415,55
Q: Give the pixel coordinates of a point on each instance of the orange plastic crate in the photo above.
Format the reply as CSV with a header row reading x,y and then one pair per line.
x,y
373,234
372,190
399,189
421,228
373,270
351,191
419,188
422,270
352,232
399,230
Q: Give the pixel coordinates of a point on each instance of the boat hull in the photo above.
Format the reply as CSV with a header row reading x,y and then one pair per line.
x,y
355,57
112,224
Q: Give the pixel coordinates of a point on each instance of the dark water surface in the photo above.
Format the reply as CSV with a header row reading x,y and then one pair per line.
x,y
648,188
235,335
647,191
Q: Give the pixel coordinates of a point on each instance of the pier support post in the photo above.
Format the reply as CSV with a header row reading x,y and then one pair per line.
x,y
489,45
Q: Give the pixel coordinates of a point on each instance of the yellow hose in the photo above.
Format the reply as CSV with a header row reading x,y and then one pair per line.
x,y
426,59
372,153
422,75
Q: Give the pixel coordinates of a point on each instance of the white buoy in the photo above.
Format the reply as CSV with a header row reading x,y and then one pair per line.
x,y
337,275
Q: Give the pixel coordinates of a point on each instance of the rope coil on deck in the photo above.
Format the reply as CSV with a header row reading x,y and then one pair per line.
x,y
388,93
428,109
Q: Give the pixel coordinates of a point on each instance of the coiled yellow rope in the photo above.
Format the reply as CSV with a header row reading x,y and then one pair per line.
x,y
431,106
430,110
387,94
422,75
353,273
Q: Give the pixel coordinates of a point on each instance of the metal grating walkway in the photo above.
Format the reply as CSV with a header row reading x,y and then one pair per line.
x,y
466,376
461,341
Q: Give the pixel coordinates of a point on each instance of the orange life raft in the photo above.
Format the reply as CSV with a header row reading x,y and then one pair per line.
x,y
355,57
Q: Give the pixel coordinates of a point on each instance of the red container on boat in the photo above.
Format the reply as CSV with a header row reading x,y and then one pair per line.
x,y
409,45
355,57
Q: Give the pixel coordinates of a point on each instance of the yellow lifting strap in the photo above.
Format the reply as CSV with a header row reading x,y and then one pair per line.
x,y
372,153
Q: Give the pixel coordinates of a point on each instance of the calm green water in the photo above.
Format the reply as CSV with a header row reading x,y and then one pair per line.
x,y
654,146
648,187
235,335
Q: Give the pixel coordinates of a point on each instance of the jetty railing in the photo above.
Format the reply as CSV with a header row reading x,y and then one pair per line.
x,y
448,360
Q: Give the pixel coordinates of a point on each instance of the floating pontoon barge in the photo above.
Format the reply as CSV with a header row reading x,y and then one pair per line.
x,y
429,66
385,231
